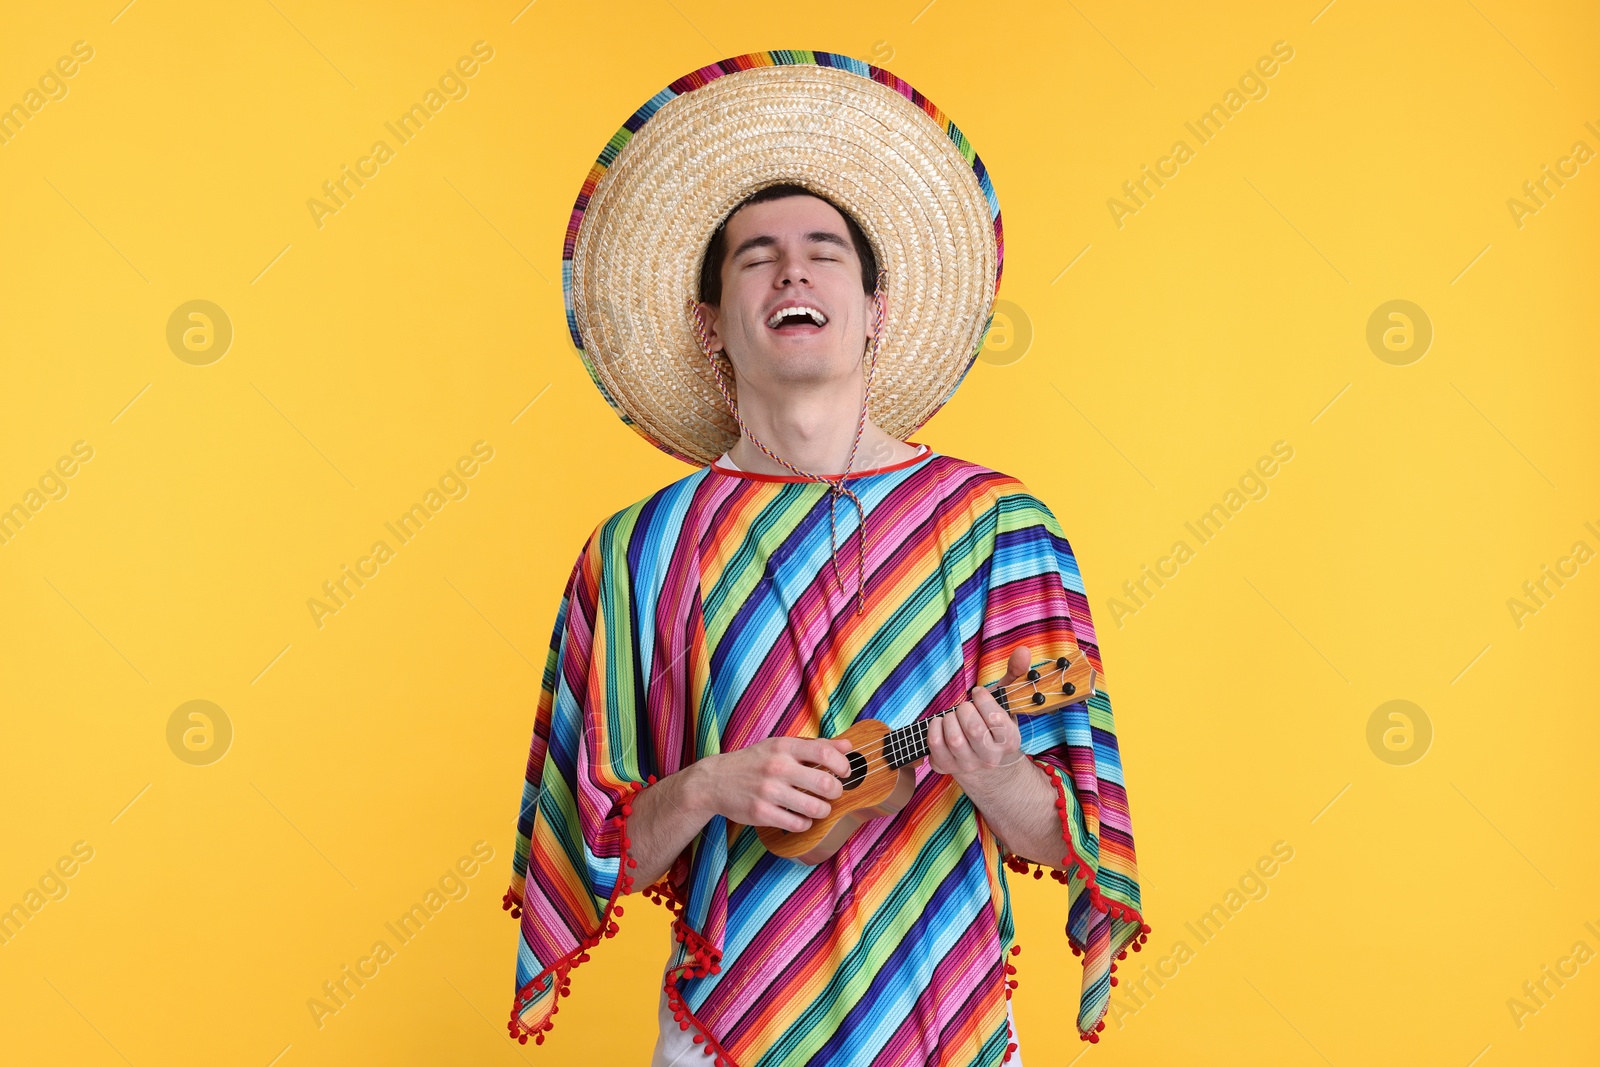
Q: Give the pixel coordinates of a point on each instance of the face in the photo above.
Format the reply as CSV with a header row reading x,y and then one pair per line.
x,y
792,251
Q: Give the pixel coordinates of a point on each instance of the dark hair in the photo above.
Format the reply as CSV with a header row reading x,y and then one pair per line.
x,y
717,250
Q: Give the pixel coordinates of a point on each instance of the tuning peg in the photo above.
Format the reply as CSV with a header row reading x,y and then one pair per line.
x,y
1063,663
1033,675
1069,689
1038,698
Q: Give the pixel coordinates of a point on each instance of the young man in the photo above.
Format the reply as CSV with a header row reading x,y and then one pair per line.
x,y
714,638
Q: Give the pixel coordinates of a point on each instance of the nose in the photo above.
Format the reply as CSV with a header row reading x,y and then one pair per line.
x,y
793,268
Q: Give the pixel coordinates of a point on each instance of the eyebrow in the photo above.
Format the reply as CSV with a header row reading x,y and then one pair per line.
x,y
766,240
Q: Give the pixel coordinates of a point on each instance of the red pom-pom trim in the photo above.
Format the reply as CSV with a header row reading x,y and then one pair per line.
x,y
1072,863
1008,970
558,971
704,959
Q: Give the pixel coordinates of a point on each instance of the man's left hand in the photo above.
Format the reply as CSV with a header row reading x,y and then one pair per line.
x,y
979,737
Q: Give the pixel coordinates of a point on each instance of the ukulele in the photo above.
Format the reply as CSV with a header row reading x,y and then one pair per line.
x,y
882,761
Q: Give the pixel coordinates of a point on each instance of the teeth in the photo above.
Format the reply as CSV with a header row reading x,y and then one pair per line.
x,y
817,318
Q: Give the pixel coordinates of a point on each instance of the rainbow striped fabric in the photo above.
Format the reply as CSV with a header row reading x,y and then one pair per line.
x,y
707,617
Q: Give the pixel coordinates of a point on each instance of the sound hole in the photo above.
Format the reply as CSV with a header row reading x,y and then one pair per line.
x,y
858,769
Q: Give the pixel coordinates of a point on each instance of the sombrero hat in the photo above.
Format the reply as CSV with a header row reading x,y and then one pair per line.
x,y
666,180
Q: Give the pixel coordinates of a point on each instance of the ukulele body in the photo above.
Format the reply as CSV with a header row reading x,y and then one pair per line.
x,y
874,788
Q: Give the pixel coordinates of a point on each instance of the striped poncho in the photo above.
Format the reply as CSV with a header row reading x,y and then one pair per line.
x,y
708,617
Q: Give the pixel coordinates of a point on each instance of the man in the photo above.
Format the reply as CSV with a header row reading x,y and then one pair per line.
x,y
709,645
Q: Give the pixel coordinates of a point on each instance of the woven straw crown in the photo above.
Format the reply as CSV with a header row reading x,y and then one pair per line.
x,y
852,132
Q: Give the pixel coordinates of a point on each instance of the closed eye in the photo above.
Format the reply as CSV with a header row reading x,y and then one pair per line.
x,y
760,262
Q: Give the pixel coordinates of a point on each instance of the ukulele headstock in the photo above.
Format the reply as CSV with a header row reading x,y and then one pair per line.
x,y
1049,684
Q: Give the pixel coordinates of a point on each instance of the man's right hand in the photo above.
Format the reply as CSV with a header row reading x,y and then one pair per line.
x,y
770,782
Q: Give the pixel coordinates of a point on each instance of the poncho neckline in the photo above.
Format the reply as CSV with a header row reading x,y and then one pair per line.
x,y
736,472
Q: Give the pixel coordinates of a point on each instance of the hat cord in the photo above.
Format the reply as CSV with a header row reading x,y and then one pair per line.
x,y
835,486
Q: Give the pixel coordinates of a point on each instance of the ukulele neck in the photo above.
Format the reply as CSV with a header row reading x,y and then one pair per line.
x,y
909,743
1048,685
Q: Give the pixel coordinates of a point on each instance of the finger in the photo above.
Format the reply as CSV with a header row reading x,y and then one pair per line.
x,y
777,815
1020,661
803,803
814,782
1001,724
986,704
824,784
955,737
1010,734
975,727
822,752
815,779
999,720
937,756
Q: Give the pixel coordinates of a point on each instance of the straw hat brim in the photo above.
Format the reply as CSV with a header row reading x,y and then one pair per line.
x,y
848,130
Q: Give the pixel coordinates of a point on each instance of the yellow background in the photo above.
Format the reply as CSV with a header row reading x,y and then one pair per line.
x,y
1228,313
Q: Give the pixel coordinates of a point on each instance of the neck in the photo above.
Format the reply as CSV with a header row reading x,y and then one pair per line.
x,y
812,429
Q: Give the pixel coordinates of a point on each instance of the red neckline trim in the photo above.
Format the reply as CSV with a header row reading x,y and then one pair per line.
x,y
760,477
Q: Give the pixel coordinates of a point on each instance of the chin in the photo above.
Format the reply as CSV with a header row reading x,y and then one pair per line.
x,y
806,364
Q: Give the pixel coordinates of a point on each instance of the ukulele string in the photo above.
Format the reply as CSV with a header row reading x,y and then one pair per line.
x,y
1008,691
1016,688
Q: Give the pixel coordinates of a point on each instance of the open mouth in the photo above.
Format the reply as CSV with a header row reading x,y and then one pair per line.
x,y
801,319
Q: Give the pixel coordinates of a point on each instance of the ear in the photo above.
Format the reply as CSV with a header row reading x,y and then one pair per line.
x,y
883,298
711,315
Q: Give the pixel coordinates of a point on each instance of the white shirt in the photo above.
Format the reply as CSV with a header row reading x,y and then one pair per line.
x,y
724,461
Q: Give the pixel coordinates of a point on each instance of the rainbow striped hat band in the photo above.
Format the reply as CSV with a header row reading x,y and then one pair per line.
x,y
852,132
